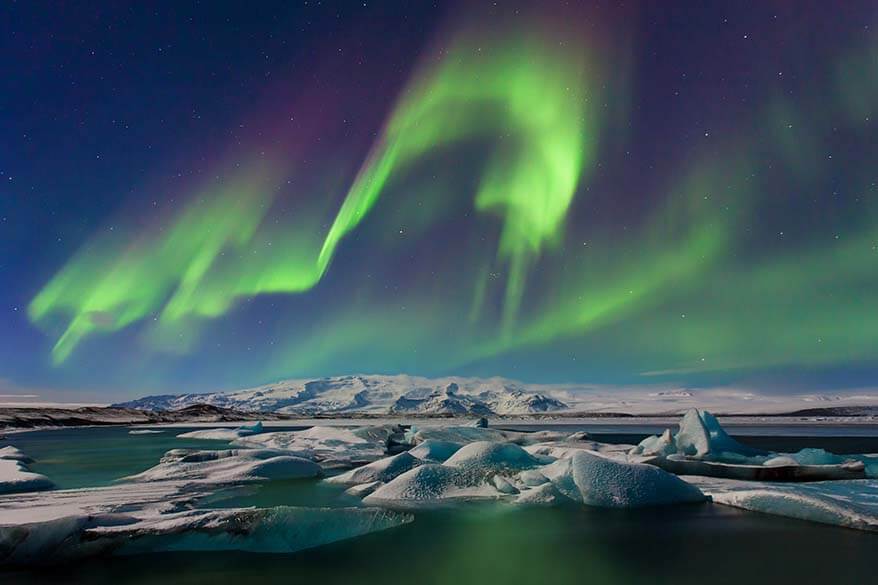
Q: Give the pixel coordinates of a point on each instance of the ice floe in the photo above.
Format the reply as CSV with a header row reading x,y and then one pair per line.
x,y
228,466
329,446
15,476
434,450
702,447
382,470
269,530
595,480
853,503
222,434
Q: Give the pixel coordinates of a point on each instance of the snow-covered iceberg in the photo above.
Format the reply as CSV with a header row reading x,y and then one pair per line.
x,y
430,485
595,480
224,434
382,470
506,471
702,447
228,466
329,446
852,504
272,530
15,476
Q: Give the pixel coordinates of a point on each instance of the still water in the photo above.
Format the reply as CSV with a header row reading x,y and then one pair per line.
x,y
472,544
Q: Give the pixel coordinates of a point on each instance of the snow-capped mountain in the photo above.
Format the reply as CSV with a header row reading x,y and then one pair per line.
x,y
371,395
412,395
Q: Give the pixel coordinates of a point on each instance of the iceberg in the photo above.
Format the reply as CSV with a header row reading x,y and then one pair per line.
x,y
333,447
544,495
228,466
459,435
223,434
487,457
382,470
434,450
702,447
429,485
16,476
700,435
594,480
269,530
852,504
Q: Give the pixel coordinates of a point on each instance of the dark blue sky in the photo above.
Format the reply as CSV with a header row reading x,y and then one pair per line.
x,y
119,121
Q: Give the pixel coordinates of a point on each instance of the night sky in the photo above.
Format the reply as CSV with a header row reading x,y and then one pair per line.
x,y
199,196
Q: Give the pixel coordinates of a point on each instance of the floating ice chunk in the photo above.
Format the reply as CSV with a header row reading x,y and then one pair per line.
x,y
657,445
332,446
484,458
852,503
598,481
273,530
460,435
15,476
434,450
223,434
565,449
781,468
230,465
364,489
503,486
543,495
14,454
382,470
280,529
700,436
429,485
532,478
54,540
144,432
780,461
817,457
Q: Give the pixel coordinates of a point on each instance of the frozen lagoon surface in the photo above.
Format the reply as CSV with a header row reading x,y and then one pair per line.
x,y
471,542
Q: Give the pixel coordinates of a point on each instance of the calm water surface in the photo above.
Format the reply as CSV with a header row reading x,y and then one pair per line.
x,y
472,544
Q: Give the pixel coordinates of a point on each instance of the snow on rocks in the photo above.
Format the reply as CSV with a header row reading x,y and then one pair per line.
x,y
15,476
229,466
594,480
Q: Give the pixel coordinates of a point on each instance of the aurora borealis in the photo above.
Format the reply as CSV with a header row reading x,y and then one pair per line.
x,y
217,196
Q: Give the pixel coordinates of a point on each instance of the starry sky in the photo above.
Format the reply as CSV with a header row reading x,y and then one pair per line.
x,y
210,195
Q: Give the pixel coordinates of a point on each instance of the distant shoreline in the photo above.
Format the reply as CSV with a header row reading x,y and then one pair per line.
x,y
13,419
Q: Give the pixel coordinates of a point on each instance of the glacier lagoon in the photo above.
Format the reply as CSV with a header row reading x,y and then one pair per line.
x,y
473,542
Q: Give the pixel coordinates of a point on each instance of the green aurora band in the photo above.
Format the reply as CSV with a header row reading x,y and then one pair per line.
x,y
526,92
683,291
